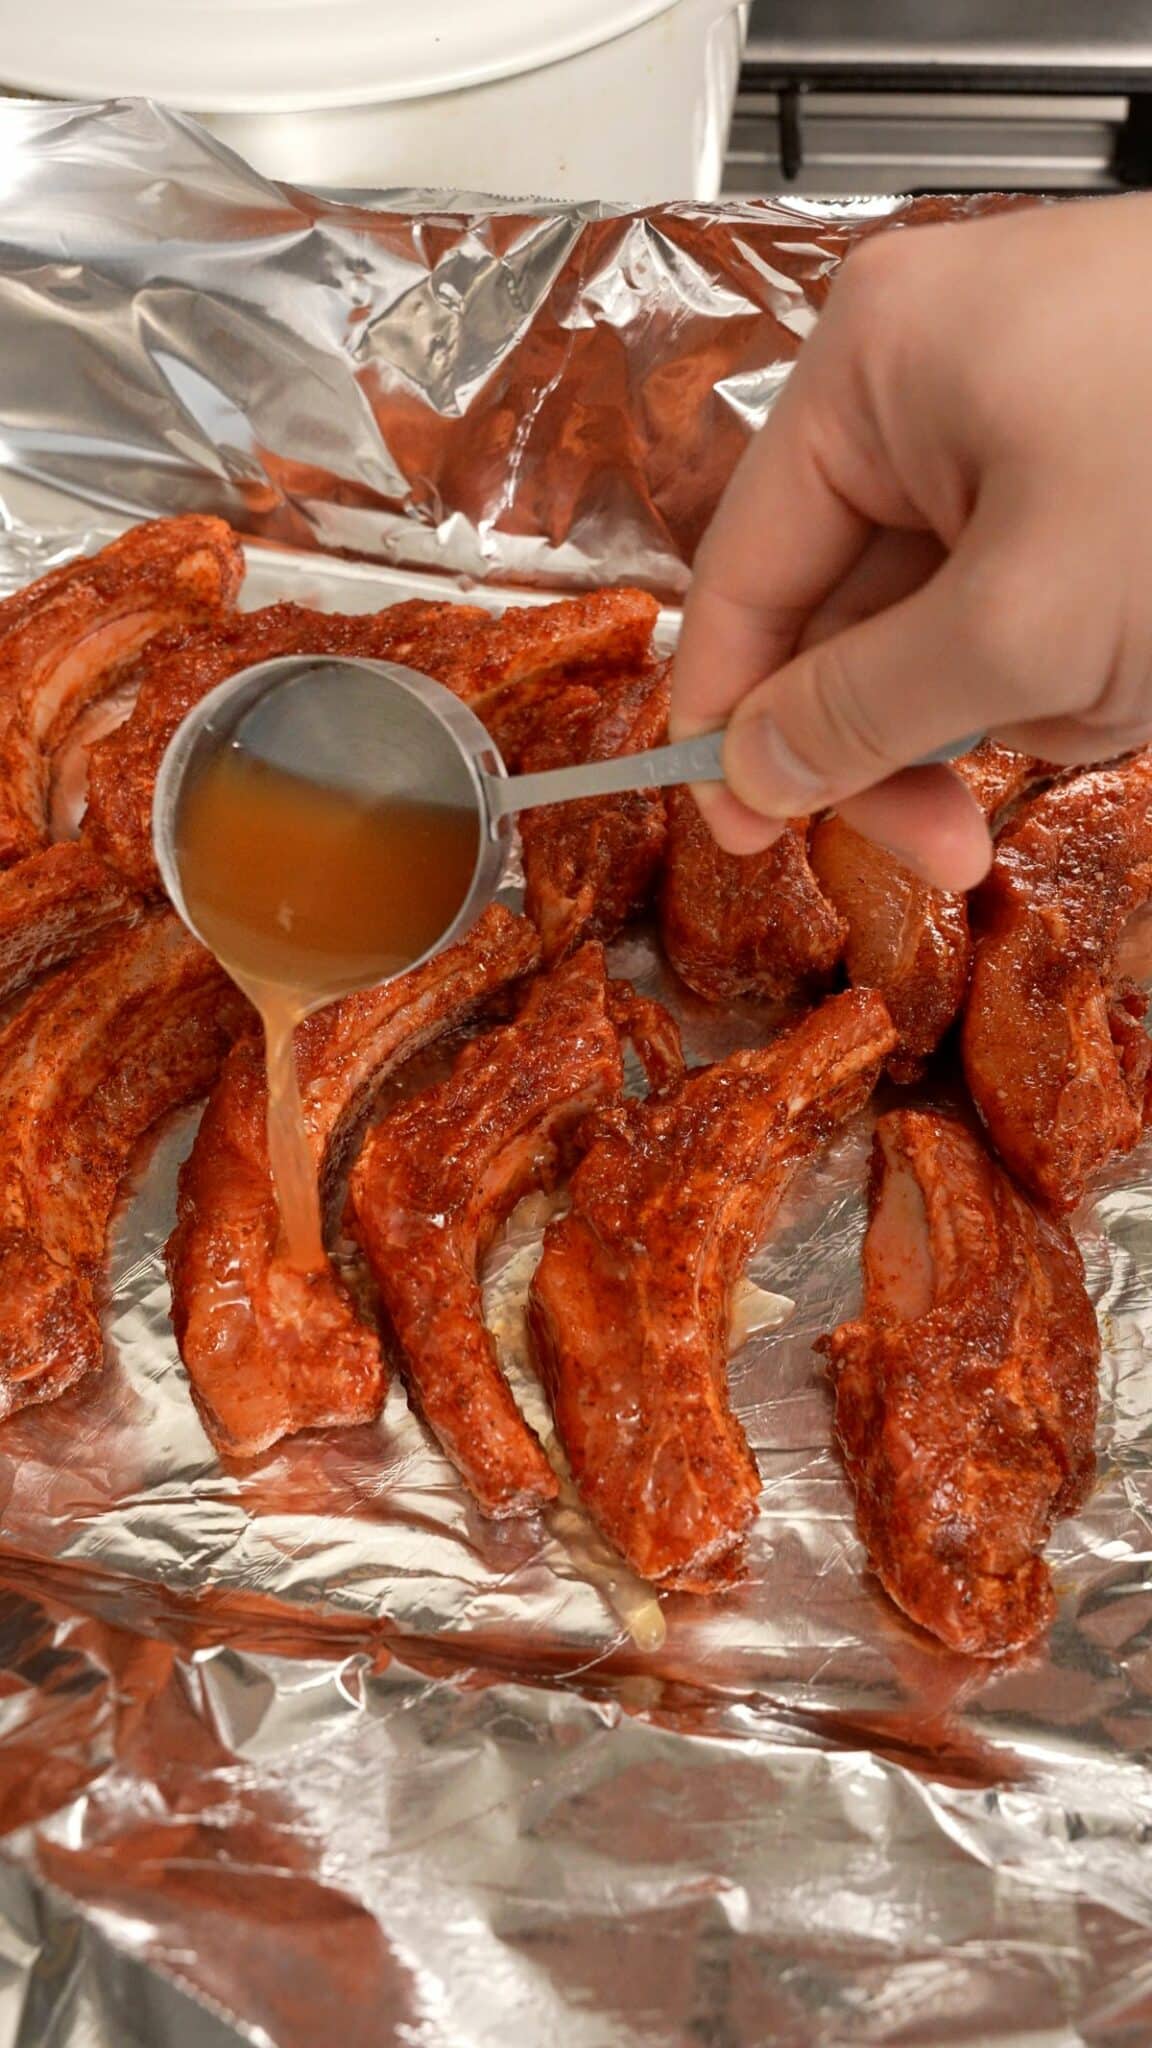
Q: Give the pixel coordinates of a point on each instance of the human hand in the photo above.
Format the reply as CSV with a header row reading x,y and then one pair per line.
x,y
945,527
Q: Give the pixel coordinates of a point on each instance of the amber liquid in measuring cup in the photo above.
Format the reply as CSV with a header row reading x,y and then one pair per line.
x,y
304,893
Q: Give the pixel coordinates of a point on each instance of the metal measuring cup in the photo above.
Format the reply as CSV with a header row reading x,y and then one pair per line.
x,y
379,730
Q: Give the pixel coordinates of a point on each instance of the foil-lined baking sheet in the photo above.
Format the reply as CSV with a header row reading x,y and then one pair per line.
x,y
313,1746
308,1750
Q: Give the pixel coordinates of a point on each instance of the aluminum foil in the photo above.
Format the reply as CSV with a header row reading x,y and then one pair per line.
x,y
516,391
308,1749
310,1745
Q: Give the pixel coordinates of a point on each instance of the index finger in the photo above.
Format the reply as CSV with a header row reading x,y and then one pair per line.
x,y
782,538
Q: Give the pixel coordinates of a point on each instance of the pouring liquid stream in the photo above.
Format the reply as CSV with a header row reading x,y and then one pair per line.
x,y
306,893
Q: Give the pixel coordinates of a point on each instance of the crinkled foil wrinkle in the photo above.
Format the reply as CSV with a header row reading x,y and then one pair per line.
x,y
308,1748
506,391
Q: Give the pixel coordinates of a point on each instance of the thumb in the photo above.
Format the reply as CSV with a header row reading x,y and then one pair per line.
x,y
847,714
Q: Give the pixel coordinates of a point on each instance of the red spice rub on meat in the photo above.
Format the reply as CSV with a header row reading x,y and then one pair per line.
x,y
435,1181
55,905
1055,1050
68,638
592,865
752,925
87,1066
966,1389
629,1306
908,940
494,663
270,1349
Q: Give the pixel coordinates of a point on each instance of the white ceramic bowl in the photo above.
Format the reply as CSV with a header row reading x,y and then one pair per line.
x,y
566,99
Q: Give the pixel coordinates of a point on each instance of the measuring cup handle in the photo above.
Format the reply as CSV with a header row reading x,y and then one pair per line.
x,y
700,759
694,760
952,752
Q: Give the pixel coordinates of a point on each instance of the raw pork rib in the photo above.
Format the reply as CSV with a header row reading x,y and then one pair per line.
x,y
87,1066
908,940
432,1186
67,639
55,905
966,1391
270,1349
590,866
1055,1051
629,1307
744,924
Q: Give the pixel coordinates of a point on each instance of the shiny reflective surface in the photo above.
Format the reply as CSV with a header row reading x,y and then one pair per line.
x,y
310,1739
492,388
990,36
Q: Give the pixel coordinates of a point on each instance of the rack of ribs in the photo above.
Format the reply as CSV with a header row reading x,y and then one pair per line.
x,y
966,1390
735,925
908,940
88,1065
269,1349
630,1304
591,866
433,1184
68,639
1055,1051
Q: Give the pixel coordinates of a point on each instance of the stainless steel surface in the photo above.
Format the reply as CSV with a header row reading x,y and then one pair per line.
x,y
696,760
1005,37
958,142
967,97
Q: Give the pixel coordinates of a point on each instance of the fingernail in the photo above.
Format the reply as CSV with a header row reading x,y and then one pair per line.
x,y
764,772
